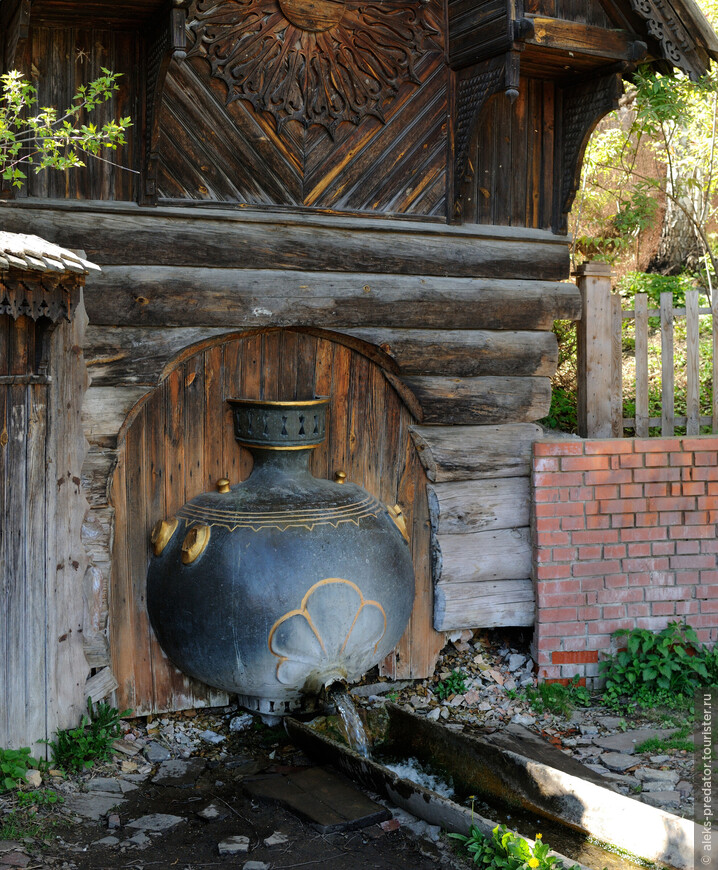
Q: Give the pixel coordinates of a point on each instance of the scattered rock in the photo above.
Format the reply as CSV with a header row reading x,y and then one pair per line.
x,y
10,846
156,752
434,714
140,839
516,661
233,845
107,841
618,761
390,825
179,773
659,759
113,822
212,737
276,839
241,722
34,778
126,747
610,723
213,813
255,865
523,719
155,822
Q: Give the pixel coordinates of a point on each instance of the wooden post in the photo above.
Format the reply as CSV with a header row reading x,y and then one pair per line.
x,y
595,355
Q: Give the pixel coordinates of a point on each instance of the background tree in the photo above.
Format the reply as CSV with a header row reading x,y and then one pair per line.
x,y
43,137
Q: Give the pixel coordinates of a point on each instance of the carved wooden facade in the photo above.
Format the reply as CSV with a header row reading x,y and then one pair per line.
x,y
379,185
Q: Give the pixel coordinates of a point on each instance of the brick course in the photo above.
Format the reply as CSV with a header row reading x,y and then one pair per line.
x,y
625,536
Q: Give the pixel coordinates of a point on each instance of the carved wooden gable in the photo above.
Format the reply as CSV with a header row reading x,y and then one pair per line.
x,y
309,102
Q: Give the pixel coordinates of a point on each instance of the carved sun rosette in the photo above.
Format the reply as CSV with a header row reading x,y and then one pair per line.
x,y
314,61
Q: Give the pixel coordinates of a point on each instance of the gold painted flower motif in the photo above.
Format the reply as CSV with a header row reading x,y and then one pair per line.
x,y
335,632
314,61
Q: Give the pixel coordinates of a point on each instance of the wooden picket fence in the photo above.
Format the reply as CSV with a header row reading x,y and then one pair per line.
x,y
600,384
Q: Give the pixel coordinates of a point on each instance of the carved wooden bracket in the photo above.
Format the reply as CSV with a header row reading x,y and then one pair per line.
x,y
677,44
168,42
474,85
582,107
41,296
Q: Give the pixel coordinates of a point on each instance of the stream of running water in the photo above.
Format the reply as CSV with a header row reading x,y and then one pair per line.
x,y
351,722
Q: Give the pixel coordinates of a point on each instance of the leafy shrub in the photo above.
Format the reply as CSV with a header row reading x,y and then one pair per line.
x,y
659,669
505,850
454,684
653,284
14,765
557,698
79,748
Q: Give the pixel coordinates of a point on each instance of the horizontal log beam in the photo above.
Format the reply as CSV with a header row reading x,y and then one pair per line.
x,y
105,410
481,400
257,298
139,355
574,36
476,452
117,234
483,605
502,554
465,507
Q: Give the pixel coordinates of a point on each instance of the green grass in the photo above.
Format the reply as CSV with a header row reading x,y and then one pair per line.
x,y
557,698
676,741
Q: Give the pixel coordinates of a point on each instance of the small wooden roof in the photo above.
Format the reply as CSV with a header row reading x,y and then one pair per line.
x,y
31,253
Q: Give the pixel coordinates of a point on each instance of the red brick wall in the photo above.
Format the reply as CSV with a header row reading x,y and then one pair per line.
x,y
624,536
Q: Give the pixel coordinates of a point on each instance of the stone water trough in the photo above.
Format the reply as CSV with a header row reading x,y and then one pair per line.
x,y
519,774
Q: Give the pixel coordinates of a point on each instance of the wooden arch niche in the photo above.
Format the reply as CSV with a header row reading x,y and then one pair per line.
x,y
180,442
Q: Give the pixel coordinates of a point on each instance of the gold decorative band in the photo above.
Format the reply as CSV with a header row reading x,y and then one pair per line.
x,y
259,446
271,403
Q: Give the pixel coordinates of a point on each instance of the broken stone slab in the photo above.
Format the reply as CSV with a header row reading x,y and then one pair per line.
x,y
14,859
140,839
661,799
276,839
255,865
516,661
113,822
434,714
155,822
659,785
179,773
11,846
233,845
105,784
647,774
212,737
618,762
126,747
93,806
611,723
523,719
627,741
155,752
325,799
107,841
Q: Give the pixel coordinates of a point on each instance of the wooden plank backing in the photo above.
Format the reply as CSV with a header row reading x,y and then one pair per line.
x,y
500,554
181,437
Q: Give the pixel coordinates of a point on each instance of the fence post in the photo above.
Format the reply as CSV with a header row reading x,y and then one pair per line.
x,y
596,375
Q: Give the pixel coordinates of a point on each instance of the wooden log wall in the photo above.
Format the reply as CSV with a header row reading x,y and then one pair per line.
x,y
456,321
43,670
181,441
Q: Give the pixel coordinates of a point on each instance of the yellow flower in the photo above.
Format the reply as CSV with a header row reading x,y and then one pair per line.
x,y
538,836
534,862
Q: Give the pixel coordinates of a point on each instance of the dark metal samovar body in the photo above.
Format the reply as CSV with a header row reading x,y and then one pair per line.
x,y
280,585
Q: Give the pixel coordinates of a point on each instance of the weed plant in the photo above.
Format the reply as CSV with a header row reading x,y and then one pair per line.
x,y
505,850
557,698
660,669
79,748
14,765
454,684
